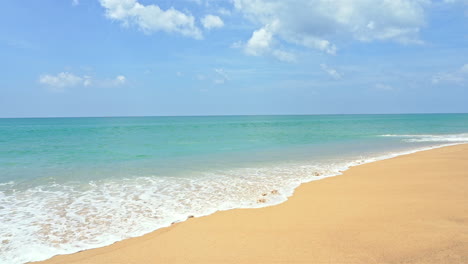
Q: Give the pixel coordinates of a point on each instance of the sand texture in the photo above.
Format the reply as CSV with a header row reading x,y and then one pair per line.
x,y
409,209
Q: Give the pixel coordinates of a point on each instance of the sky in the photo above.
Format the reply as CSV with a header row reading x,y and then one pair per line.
x,y
232,57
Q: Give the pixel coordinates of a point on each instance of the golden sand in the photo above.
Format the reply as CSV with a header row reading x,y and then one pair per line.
x,y
409,209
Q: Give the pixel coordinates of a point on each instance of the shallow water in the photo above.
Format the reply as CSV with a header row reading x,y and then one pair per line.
x,y
68,184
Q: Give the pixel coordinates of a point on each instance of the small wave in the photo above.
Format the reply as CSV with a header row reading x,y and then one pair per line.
x,y
61,219
6,183
455,138
66,218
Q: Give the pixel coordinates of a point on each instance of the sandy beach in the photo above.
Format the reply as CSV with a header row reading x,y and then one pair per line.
x,y
408,209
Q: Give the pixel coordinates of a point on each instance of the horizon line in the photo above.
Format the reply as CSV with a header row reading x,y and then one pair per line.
x,y
231,115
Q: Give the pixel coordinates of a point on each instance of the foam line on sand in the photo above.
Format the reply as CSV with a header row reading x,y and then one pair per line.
x,y
408,209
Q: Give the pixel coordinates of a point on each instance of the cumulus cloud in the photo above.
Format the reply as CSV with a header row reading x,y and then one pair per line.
x,y
319,24
120,79
330,71
459,76
262,42
151,18
63,80
211,21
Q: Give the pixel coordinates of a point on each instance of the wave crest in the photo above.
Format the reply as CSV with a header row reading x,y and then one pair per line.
x,y
454,138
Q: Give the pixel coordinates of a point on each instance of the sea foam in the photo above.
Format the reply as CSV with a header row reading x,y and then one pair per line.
x,y
65,218
463,137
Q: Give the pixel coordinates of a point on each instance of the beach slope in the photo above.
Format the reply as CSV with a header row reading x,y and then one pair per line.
x,y
408,209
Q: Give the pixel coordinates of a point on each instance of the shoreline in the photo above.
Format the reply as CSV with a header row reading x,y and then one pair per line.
x,y
169,234
275,195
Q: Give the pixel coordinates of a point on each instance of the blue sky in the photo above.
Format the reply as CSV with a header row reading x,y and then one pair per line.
x,y
214,57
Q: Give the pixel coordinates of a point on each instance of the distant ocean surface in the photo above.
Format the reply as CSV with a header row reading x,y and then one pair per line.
x,y
68,184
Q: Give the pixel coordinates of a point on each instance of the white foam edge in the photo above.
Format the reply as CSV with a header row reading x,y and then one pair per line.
x,y
288,192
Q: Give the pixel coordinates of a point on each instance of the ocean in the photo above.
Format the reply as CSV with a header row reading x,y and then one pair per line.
x,y
69,184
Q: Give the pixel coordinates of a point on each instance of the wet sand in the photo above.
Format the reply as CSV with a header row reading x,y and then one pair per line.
x,y
409,209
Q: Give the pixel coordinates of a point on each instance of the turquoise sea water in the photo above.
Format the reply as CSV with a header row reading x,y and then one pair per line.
x,y
68,184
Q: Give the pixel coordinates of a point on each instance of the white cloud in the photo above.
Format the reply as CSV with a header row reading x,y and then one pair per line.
x,y
60,81
119,80
319,24
210,21
151,18
330,71
261,43
459,76
65,80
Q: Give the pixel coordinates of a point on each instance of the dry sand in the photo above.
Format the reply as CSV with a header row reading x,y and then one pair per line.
x,y
409,209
